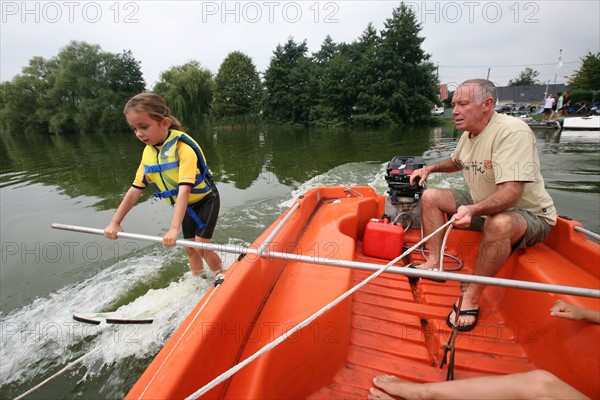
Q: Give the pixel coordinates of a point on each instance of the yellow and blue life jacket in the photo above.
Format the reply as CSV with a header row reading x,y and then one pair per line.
x,y
162,169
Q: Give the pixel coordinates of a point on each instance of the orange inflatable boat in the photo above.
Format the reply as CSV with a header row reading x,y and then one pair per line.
x,y
313,254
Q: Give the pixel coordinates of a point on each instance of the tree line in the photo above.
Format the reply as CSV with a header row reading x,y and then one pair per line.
x,y
81,89
586,78
381,78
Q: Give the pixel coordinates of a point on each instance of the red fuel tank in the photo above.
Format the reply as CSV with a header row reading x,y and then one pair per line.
x,y
382,239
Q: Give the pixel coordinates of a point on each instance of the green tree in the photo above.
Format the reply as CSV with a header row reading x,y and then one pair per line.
x,y
587,77
408,82
369,106
289,87
329,73
22,98
124,79
527,77
188,91
327,51
376,80
238,90
81,89
76,88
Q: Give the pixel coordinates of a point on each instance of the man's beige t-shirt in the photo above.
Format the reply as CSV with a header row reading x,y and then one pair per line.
x,y
505,151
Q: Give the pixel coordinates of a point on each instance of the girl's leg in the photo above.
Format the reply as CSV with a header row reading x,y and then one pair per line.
x,y
195,258
211,257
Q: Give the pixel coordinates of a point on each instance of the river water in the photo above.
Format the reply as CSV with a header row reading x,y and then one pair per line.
x,y
47,275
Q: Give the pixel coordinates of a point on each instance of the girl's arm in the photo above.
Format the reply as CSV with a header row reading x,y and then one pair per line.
x,y
131,197
180,208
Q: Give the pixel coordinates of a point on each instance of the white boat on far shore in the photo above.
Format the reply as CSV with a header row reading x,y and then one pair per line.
x,y
591,122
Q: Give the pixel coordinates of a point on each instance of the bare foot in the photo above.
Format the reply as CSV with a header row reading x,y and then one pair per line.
x,y
428,265
196,272
376,394
391,385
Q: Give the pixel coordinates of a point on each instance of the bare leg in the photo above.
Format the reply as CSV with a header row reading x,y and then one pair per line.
x,y
500,232
197,255
527,385
436,204
212,259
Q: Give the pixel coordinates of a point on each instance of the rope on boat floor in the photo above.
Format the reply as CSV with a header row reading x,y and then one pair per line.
x,y
269,346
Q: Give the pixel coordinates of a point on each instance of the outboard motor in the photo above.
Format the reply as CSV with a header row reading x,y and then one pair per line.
x,y
384,237
403,200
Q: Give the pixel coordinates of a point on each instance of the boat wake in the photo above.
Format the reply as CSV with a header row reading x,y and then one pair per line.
x,y
351,174
43,336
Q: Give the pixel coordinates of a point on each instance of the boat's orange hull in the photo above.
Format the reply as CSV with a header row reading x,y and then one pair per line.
x,y
389,326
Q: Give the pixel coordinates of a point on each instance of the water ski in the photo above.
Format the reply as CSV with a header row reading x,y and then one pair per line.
x,y
110,318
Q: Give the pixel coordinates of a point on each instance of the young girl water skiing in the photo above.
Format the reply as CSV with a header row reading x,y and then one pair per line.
x,y
174,163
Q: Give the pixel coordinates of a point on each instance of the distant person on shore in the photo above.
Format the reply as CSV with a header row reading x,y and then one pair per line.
x,y
548,106
566,104
559,106
174,163
536,384
506,198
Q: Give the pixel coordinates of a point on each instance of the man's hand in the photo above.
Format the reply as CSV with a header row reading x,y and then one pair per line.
x,y
419,175
463,217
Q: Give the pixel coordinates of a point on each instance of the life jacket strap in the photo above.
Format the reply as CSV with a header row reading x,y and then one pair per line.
x,y
160,167
204,189
166,193
195,217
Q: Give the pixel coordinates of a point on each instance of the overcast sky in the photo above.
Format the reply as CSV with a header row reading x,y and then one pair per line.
x,y
466,39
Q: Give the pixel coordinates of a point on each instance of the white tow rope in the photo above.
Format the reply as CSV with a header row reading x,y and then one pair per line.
x,y
229,373
62,371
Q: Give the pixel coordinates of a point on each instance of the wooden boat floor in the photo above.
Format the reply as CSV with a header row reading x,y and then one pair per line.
x,y
399,328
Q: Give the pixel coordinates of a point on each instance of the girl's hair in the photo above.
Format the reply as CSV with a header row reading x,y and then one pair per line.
x,y
154,105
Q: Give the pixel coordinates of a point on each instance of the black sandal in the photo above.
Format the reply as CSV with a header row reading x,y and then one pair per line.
x,y
463,328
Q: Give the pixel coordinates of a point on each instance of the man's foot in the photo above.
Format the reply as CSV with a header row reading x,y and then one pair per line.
x,y
386,385
467,318
419,266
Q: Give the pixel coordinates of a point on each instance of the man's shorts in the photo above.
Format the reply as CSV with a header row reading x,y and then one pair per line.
x,y
208,211
537,227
